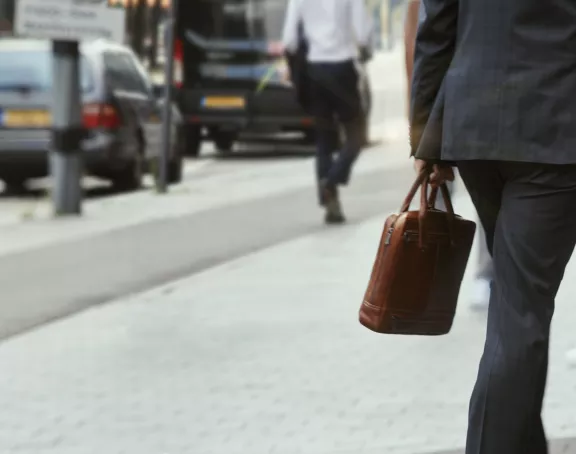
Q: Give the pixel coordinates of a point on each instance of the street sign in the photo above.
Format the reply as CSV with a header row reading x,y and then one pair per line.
x,y
70,20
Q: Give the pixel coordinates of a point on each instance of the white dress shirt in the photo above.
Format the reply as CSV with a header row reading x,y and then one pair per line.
x,y
334,29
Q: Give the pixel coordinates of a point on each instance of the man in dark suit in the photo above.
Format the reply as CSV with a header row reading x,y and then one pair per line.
x,y
494,92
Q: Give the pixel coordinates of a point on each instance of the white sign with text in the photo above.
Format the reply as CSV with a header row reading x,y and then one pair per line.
x,y
73,20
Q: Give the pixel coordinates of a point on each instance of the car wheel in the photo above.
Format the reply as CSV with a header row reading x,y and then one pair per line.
x,y
192,137
176,164
310,137
176,171
130,178
224,142
14,185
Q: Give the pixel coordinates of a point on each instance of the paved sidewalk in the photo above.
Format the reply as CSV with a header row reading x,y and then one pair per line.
x,y
247,182
262,355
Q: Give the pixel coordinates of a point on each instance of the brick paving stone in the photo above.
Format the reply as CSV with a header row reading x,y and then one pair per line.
x,y
562,446
261,355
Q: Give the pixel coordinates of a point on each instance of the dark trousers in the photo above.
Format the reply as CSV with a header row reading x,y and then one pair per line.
x,y
335,100
527,211
484,270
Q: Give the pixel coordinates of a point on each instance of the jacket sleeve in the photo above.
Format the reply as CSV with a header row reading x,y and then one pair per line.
x,y
433,53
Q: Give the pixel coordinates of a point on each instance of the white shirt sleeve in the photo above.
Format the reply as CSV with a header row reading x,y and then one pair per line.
x,y
361,23
291,22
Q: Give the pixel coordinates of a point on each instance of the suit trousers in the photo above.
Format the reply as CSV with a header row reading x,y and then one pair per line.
x,y
485,269
484,265
527,211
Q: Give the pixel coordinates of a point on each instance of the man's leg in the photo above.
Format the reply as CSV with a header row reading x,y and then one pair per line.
x,y
487,202
484,273
337,85
342,168
483,276
326,129
485,267
348,106
326,145
531,242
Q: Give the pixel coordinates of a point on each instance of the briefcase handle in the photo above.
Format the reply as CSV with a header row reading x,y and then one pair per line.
x,y
445,195
422,182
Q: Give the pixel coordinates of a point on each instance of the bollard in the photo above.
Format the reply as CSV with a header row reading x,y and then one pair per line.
x,y
67,130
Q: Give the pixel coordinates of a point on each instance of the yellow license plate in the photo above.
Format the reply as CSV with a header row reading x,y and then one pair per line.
x,y
222,102
26,119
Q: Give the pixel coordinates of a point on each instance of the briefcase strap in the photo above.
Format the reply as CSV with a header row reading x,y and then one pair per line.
x,y
445,195
422,182
422,176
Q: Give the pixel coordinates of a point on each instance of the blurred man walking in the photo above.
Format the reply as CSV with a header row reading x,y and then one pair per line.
x,y
493,91
336,32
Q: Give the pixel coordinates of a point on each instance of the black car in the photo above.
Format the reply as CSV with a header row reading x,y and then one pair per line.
x,y
120,113
231,73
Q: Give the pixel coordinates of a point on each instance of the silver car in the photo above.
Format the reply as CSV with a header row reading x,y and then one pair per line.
x,y
121,115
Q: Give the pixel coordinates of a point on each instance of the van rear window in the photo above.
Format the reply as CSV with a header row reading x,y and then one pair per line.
x,y
235,19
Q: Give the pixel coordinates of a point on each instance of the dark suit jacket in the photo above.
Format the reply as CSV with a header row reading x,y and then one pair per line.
x,y
495,79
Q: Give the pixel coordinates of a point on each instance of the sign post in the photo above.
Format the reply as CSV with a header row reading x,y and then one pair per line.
x,y
168,96
66,22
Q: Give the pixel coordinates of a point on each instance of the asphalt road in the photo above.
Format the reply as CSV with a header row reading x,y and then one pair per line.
x,y
52,282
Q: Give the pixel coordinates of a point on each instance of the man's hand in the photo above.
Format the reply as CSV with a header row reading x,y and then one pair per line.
x,y
365,55
439,175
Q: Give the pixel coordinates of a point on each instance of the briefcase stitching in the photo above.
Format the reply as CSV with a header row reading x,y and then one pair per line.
x,y
371,306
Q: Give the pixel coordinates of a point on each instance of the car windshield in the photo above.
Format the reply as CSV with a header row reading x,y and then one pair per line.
x,y
33,70
238,19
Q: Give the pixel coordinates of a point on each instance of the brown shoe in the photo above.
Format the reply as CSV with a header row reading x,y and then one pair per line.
x,y
334,218
334,213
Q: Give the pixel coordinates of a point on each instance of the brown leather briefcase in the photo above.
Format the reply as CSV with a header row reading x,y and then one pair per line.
x,y
419,268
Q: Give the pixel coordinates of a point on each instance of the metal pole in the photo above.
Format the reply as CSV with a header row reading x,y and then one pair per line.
x,y
378,25
129,23
390,25
67,130
154,26
139,30
161,183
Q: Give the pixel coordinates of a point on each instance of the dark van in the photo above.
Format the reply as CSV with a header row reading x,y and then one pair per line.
x,y
231,73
